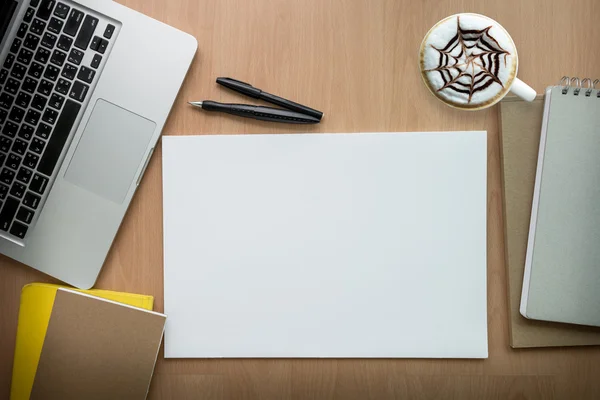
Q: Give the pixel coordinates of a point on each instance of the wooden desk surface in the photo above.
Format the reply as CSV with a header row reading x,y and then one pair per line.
x,y
356,60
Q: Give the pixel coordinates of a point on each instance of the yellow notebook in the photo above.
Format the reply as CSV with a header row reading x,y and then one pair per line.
x,y
37,300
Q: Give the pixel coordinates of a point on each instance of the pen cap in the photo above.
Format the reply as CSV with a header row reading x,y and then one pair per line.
x,y
240,87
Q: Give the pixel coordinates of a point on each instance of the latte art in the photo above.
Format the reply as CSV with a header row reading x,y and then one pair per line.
x,y
468,61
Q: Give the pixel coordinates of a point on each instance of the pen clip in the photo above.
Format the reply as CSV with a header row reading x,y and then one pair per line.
x,y
240,87
236,80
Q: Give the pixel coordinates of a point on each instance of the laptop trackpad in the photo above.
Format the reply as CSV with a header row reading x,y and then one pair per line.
x,y
110,151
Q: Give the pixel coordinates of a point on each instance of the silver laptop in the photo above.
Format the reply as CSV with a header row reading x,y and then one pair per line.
x,y
85,89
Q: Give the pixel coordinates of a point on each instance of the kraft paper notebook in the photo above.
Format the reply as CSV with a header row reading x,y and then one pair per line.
x,y
97,349
326,245
520,128
562,266
35,308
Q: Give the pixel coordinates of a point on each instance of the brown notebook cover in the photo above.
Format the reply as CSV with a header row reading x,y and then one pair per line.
x,y
520,130
97,349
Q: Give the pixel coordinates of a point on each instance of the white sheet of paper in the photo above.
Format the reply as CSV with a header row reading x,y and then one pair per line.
x,y
325,245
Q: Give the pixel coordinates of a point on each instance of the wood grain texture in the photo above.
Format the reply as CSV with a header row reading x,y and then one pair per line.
x,y
356,60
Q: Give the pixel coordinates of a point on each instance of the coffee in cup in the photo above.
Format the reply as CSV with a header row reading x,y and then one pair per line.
x,y
470,62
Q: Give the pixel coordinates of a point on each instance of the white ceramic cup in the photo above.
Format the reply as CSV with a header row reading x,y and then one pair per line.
x,y
470,62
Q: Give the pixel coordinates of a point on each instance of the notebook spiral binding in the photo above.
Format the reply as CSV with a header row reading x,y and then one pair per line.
x,y
573,83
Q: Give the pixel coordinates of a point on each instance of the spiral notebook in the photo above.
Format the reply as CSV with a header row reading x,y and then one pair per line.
x,y
561,282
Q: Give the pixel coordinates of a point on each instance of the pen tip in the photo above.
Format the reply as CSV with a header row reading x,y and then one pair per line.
x,y
195,103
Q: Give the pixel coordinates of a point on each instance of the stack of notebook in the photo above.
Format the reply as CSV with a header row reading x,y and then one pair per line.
x,y
521,128
91,344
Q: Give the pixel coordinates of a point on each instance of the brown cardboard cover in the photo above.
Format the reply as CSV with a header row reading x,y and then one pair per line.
x,y
520,130
97,349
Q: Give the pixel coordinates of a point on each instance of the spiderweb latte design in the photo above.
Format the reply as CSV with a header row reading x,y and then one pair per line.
x,y
470,61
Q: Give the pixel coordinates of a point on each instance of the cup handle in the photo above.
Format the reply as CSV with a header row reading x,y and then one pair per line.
x,y
523,90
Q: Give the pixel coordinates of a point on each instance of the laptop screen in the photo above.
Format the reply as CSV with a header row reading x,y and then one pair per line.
x,y
7,9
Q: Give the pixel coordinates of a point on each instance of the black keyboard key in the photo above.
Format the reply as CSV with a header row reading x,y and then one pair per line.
x,y
87,31
58,57
45,9
50,116
56,101
12,86
69,71
25,215
16,114
49,40
18,71
55,25
3,76
86,74
7,10
3,191
38,183
43,131
8,212
78,91
8,62
5,144
64,43
37,145
102,46
24,175
61,10
18,190
51,72
18,229
23,99
3,115
45,87
10,129
34,3
2,158
73,22
16,45
96,61
13,161
108,32
31,200
31,161
31,41
42,55
36,70
7,176
29,85
22,30
59,137
26,132
63,86
28,15
75,56
6,100
39,102
19,146
25,56
95,43
32,117
37,27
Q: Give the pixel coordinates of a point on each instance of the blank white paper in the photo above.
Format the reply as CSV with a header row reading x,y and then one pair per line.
x,y
325,245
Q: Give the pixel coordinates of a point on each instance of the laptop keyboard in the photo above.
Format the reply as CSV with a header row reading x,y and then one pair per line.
x,y
45,80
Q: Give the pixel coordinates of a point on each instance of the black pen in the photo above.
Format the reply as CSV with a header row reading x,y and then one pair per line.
x,y
257,112
249,90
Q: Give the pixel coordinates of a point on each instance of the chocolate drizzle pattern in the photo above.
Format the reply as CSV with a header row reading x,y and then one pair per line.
x,y
470,62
